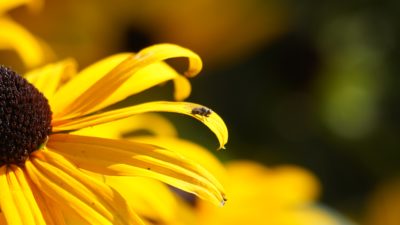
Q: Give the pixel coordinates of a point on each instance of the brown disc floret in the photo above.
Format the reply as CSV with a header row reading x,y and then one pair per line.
x,y
25,118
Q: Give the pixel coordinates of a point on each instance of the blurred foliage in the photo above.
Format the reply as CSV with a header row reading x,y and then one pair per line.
x,y
311,83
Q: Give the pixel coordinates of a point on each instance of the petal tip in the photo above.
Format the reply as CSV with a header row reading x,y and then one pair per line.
x,y
222,147
223,201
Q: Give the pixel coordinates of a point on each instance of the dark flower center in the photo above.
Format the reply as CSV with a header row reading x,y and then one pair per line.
x,y
25,118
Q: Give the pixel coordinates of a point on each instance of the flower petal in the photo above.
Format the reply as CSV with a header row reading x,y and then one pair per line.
x,y
295,185
213,121
16,200
82,82
51,212
151,122
119,157
26,189
190,150
48,79
55,189
13,36
133,74
147,77
182,88
120,212
7,203
96,195
140,191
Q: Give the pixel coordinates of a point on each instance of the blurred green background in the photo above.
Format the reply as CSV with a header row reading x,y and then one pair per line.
x,y
311,83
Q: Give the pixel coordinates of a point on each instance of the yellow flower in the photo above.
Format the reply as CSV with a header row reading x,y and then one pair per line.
x,y
153,129
165,207
13,36
49,175
285,195
257,195
128,24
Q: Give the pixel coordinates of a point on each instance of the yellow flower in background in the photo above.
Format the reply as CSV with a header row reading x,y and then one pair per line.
x,y
13,36
284,195
51,174
236,27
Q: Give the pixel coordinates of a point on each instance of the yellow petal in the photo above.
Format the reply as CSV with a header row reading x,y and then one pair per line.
x,y
51,212
121,213
99,90
286,185
147,77
190,150
96,195
295,185
152,123
26,189
182,88
281,195
82,82
71,217
213,121
8,205
48,79
14,204
311,214
140,193
56,189
13,36
168,51
119,157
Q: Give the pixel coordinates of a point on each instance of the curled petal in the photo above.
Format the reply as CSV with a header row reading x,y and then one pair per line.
x,y
123,75
71,91
213,121
182,88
